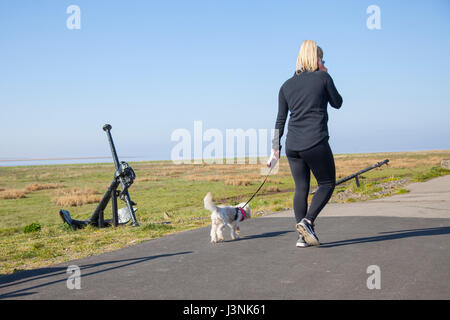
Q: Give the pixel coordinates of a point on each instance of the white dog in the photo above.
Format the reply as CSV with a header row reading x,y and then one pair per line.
x,y
225,215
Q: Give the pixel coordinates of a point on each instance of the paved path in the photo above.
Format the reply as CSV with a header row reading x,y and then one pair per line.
x,y
425,200
406,236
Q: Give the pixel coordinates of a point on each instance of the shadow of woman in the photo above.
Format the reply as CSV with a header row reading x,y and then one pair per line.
x,y
391,235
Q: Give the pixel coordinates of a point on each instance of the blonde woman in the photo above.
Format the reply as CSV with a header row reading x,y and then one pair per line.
x,y
306,96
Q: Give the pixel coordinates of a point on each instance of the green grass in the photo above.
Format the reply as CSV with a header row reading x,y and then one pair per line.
x,y
34,227
402,191
431,173
162,187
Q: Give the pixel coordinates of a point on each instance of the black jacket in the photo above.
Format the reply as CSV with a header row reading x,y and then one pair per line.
x,y
306,95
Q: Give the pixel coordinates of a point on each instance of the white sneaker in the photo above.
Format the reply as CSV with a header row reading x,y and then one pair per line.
x,y
301,242
306,229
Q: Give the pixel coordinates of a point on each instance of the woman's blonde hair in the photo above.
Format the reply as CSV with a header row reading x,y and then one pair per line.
x,y
307,57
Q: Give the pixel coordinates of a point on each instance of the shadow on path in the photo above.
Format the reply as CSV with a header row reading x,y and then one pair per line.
x,y
391,235
265,235
32,275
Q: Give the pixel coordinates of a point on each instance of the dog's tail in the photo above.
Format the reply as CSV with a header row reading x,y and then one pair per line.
x,y
209,204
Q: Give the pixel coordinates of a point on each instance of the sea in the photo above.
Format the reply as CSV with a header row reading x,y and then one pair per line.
x,y
52,161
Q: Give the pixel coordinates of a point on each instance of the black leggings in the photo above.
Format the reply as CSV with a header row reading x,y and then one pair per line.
x,y
319,159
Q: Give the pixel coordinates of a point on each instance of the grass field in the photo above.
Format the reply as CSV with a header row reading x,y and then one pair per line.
x,y
32,234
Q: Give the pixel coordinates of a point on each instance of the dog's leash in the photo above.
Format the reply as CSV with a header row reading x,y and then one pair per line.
x,y
268,174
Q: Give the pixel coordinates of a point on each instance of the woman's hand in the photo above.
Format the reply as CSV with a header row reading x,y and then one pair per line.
x,y
274,157
276,154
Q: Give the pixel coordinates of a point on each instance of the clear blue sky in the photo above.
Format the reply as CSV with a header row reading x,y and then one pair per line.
x,y
149,67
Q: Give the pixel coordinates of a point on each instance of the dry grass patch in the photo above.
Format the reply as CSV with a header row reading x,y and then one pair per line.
x,y
275,181
76,197
209,178
238,182
212,178
166,173
273,189
20,193
345,167
42,186
147,179
12,194
45,175
229,179
172,172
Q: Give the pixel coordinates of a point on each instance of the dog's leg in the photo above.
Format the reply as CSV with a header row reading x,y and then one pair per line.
x,y
232,231
220,232
234,227
214,231
236,230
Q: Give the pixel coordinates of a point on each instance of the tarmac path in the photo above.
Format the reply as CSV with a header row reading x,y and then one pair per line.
x,y
407,237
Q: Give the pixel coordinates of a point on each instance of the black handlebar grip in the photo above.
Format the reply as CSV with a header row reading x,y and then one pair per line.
x,y
107,127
